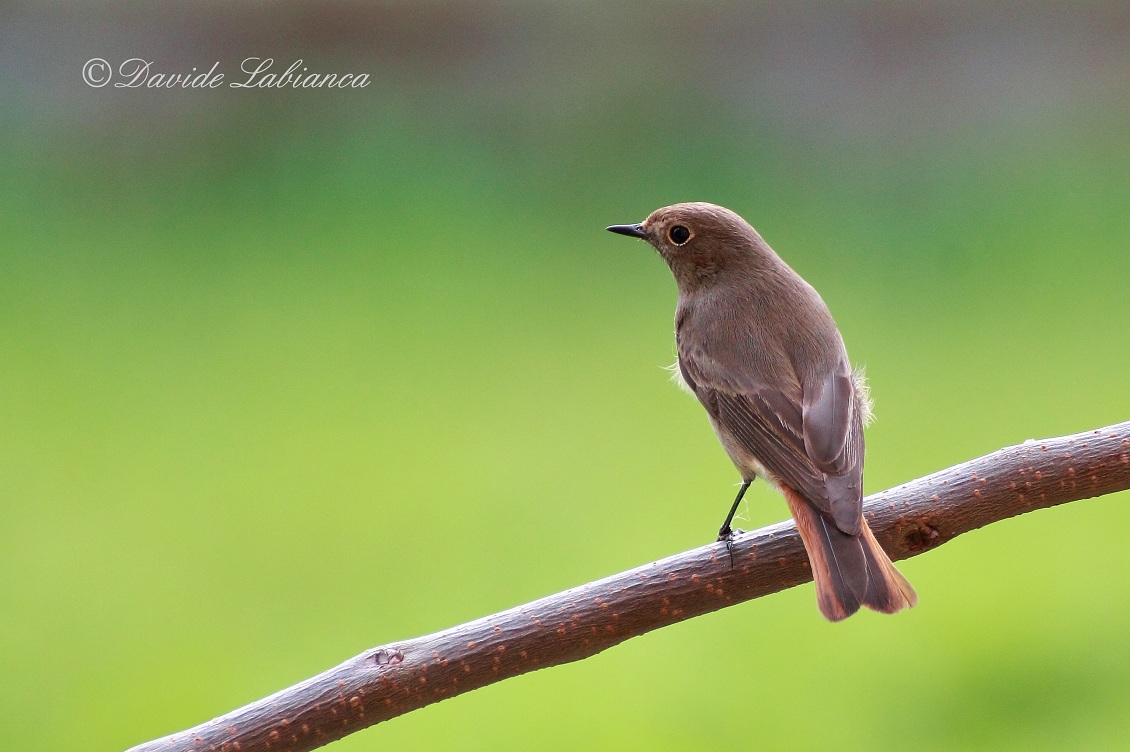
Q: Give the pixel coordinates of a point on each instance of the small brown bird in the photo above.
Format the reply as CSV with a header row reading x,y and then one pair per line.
x,y
759,349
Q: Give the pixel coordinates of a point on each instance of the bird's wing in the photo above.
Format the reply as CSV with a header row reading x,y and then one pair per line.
x,y
814,446
828,423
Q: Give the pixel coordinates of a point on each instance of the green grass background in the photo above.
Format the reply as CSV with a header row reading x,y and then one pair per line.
x,y
307,378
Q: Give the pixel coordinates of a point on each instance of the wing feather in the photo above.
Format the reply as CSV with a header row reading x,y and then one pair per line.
x,y
813,446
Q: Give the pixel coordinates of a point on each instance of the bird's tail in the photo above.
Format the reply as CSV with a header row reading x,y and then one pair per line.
x,y
849,570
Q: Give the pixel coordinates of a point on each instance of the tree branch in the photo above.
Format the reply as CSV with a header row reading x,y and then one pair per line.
x,y
397,678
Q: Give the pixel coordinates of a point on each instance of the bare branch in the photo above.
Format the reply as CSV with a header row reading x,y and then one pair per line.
x,y
385,682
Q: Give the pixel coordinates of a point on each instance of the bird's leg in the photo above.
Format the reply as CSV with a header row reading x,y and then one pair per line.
x,y
724,532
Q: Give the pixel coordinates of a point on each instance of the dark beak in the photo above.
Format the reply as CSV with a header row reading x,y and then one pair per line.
x,y
632,231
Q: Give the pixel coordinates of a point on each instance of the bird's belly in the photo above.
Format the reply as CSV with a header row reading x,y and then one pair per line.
x,y
747,464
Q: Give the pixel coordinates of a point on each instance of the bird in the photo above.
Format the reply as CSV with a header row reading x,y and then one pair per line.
x,y
758,347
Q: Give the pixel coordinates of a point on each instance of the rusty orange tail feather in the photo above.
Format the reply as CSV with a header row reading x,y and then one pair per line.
x,y
849,570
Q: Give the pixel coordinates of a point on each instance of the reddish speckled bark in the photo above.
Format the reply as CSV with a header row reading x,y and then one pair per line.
x,y
399,677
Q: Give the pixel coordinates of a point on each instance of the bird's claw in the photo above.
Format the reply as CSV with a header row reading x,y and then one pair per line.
x,y
726,535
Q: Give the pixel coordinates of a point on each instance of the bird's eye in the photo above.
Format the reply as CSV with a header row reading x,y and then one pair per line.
x,y
679,234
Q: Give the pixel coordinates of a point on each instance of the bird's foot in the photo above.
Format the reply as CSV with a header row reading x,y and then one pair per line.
x,y
726,535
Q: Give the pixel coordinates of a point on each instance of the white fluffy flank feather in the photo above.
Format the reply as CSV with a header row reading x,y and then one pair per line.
x,y
863,394
677,377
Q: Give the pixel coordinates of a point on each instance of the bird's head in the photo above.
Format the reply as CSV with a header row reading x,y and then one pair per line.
x,y
699,241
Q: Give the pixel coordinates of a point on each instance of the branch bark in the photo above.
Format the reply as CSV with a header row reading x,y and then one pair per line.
x,y
399,677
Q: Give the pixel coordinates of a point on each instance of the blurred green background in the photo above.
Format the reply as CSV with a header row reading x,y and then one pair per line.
x,y
288,374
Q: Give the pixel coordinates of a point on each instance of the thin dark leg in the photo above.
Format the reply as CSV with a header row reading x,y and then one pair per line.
x,y
725,532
